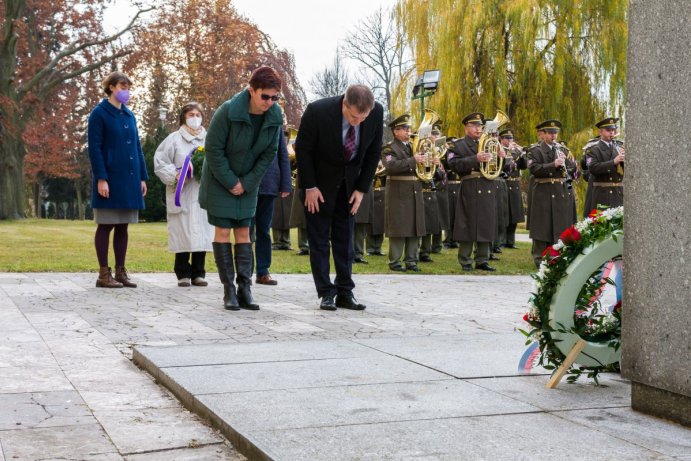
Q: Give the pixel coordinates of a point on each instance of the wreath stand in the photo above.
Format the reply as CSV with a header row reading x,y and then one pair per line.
x,y
576,349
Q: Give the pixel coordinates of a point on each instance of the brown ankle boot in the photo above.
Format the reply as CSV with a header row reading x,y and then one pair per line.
x,y
106,280
122,277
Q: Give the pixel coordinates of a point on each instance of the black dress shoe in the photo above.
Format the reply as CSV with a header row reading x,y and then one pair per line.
x,y
303,252
496,249
485,267
467,267
376,253
511,245
413,268
327,303
397,268
426,259
453,245
348,301
492,257
360,261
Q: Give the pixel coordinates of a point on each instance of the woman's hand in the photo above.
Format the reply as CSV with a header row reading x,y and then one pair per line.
x,y
144,189
102,188
237,189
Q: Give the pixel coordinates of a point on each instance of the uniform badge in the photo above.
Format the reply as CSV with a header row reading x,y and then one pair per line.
x,y
450,155
588,160
389,157
530,161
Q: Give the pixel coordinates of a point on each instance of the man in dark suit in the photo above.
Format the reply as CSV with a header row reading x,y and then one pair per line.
x,y
338,148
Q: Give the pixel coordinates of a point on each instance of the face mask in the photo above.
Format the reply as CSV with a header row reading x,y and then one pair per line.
x,y
122,96
194,122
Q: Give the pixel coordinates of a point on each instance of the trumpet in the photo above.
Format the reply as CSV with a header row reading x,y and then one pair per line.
x,y
565,171
619,147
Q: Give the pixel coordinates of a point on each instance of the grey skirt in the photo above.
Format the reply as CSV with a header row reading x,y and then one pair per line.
x,y
116,216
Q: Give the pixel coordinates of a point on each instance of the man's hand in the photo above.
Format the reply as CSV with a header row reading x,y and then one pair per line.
x,y
501,153
559,162
420,158
312,199
237,189
619,158
355,200
103,189
284,194
144,189
483,156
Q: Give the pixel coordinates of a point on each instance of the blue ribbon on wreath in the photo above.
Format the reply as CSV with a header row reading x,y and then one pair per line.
x,y
185,173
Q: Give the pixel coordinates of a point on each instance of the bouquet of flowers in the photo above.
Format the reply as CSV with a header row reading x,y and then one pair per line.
x,y
192,166
197,162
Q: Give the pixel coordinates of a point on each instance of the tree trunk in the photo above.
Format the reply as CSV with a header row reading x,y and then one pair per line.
x,y
11,177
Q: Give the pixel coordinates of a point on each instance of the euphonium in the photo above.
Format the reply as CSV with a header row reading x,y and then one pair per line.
x,y
423,144
490,143
290,146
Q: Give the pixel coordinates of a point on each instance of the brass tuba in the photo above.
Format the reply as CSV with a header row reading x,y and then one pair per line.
x,y
290,145
489,143
425,145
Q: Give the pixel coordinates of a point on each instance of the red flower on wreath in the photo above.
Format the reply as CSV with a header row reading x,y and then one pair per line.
x,y
551,254
525,317
570,235
594,213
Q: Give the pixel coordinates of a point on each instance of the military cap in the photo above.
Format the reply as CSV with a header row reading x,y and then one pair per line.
x,y
506,132
436,128
476,118
402,120
549,125
610,122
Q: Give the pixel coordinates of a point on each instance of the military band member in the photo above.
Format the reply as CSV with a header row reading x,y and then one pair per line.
x,y
502,198
280,223
551,207
516,162
453,185
405,214
476,208
362,223
375,231
298,219
605,160
442,197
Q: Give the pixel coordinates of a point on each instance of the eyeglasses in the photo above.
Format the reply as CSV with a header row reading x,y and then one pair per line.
x,y
266,97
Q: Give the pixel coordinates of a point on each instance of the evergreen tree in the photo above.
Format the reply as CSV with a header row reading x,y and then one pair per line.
x,y
155,199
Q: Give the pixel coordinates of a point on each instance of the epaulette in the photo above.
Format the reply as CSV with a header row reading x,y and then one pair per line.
x,y
531,147
591,142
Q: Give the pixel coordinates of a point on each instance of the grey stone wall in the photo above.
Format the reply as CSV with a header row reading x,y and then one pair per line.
x,y
656,329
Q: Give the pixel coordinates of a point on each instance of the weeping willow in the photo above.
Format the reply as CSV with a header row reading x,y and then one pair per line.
x,y
533,59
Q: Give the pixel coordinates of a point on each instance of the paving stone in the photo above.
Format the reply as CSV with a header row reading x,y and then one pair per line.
x,y
647,431
506,437
43,409
135,431
342,405
462,356
298,374
33,379
217,354
614,392
133,398
216,452
21,354
84,442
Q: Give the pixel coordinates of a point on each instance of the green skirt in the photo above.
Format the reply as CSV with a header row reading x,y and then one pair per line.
x,y
229,223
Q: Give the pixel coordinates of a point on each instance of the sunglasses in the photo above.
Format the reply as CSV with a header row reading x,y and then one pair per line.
x,y
266,97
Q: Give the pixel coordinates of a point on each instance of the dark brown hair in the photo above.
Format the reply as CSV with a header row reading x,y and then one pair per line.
x,y
361,97
113,79
190,106
265,78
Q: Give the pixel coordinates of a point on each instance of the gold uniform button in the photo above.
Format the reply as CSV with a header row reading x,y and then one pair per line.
x,y
552,195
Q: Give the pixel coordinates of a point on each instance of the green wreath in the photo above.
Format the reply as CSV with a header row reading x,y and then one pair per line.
x,y
561,309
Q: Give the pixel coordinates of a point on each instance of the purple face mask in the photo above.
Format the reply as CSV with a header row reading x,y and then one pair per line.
x,y
122,96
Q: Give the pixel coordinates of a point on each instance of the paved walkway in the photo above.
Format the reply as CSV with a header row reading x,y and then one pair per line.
x,y
428,371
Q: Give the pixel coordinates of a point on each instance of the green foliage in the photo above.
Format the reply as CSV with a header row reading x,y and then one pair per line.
x,y
533,59
155,199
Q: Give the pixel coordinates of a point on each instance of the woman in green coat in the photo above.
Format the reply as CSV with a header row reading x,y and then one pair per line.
x,y
241,143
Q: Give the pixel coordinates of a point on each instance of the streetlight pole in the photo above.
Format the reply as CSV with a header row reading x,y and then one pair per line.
x,y
426,86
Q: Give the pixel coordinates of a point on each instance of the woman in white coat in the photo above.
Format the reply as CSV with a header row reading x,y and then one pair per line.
x,y
189,232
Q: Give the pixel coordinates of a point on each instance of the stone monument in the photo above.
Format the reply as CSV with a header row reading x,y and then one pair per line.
x,y
656,325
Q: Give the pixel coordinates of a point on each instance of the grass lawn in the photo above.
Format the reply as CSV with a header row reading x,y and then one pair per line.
x,y
46,245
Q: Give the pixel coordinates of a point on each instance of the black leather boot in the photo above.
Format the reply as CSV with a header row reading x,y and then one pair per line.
x,y
223,254
243,267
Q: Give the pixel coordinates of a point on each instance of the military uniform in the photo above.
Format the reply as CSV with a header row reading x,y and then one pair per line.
x,y
552,208
516,162
297,219
362,221
607,177
280,223
404,213
475,220
432,221
453,184
375,231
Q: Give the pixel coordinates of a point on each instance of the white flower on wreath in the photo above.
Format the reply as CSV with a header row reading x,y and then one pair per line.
x,y
612,213
559,245
582,226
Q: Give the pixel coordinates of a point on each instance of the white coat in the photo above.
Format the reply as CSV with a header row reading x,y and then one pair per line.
x,y
188,227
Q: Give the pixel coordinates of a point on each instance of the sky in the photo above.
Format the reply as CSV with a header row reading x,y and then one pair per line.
x,y
310,29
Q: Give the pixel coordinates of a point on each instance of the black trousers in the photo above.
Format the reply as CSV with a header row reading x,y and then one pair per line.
x,y
332,234
184,270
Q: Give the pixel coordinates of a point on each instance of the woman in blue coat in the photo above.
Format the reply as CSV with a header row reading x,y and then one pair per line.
x,y
119,175
241,143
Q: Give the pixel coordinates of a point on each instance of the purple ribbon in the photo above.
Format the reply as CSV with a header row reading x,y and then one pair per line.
x,y
185,173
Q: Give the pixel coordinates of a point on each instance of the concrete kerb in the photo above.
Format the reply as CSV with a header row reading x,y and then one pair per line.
x,y
241,443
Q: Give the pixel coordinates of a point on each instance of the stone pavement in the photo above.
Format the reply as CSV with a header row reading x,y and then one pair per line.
x,y
428,371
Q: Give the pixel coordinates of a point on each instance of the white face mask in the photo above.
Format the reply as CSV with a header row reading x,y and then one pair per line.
x,y
194,122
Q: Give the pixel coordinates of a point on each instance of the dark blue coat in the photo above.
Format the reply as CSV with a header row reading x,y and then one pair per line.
x,y
277,177
116,156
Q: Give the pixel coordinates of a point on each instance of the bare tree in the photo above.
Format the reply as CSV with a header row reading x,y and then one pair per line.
x,y
378,44
332,81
